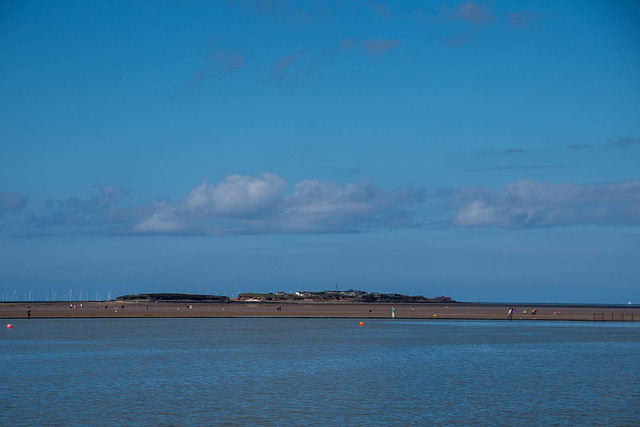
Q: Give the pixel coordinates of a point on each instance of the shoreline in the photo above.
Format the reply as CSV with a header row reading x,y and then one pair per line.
x,y
337,310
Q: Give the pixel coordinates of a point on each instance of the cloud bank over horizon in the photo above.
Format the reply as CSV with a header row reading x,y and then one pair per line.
x,y
266,204
238,204
260,204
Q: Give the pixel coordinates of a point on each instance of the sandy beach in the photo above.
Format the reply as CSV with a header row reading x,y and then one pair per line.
x,y
118,309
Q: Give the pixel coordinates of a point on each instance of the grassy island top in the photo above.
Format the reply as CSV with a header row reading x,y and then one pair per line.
x,y
300,296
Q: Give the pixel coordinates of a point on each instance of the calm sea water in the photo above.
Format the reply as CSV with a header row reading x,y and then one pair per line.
x,y
317,372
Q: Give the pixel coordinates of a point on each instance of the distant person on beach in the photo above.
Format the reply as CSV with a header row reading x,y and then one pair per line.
x,y
393,313
29,312
510,313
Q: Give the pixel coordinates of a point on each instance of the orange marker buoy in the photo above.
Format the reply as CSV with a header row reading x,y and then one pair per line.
x,y
9,326
361,323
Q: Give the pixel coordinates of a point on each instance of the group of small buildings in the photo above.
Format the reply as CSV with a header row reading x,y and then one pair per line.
x,y
354,295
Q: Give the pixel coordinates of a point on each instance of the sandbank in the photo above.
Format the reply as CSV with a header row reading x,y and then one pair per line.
x,y
141,309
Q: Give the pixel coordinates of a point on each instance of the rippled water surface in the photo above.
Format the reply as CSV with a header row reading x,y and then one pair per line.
x,y
318,371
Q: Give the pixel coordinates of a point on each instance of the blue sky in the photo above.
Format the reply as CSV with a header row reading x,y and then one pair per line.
x,y
488,151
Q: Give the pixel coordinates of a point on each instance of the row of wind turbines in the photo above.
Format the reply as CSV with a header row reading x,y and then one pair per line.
x,y
54,295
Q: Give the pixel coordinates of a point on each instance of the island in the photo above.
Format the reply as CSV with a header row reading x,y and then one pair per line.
x,y
350,295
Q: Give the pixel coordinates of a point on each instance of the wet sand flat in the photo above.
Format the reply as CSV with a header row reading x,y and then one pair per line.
x,y
119,309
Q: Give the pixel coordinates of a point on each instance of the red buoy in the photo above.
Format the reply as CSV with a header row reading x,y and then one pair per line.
x,y
361,323
9,326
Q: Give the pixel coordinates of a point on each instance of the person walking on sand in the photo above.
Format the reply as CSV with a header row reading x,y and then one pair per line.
x,y
510,313
29,312
393,313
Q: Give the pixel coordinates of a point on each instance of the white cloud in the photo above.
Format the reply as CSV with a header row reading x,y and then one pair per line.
x,y
235,195
261,204
525,204
158,224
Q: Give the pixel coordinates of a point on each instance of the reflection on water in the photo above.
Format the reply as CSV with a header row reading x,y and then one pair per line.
x,y
318,371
